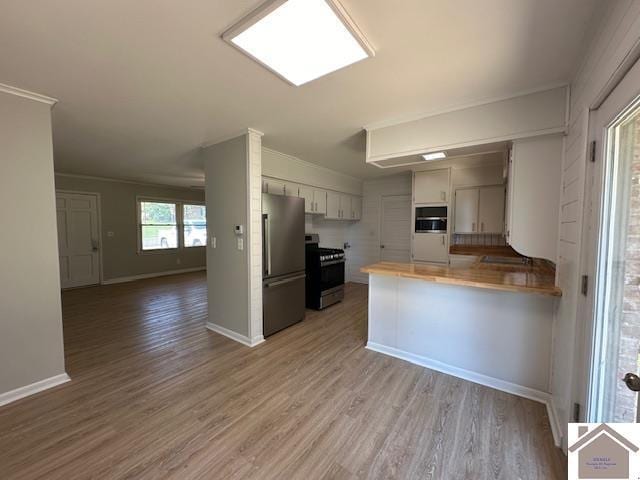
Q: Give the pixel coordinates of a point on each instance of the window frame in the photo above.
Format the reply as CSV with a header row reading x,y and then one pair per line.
x,y
179,206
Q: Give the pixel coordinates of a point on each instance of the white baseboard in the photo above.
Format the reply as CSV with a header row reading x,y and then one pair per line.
x,y
144,276
556,428
243,339
27,390
502,385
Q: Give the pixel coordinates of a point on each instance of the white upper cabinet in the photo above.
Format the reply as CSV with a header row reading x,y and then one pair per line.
x,y
356,208
320,201
491,209
333,205
315,200
307,193
431,186
466,210
291,189
431,248
273,186
479,210
345,207
533,202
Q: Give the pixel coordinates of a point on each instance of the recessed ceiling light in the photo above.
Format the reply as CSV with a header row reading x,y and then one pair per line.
x,y
434,156
300,40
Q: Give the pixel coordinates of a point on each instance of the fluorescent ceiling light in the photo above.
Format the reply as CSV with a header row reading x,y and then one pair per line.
x,y
300,40
434,156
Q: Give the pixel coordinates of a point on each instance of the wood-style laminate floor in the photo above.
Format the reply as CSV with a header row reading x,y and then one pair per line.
x,y
154,395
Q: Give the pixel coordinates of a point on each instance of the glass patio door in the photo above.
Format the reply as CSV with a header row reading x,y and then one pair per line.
x,y
615,256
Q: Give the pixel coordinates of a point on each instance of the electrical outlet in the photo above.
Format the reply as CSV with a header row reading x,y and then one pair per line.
x,y
240,242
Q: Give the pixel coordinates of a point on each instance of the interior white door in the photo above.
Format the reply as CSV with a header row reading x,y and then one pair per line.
x,y
491,209
395,229
78,239
611,263
466,210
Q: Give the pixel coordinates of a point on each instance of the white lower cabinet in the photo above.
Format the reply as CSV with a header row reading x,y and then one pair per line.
x,y
430,247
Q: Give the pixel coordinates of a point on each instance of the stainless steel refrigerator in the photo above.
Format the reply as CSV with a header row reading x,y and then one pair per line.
x,y
283,257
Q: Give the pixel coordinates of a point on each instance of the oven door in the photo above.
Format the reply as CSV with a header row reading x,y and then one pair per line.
x,y
331,274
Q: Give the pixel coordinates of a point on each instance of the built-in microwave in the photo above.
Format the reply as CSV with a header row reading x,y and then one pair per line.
x,y
431,219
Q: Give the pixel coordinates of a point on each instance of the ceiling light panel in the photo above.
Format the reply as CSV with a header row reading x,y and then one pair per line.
x,y
300,40
434,156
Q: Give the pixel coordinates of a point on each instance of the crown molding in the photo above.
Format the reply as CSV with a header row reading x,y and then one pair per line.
x,y
18,92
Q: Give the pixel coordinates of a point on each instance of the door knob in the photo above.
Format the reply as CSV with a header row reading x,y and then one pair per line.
x,y
632,381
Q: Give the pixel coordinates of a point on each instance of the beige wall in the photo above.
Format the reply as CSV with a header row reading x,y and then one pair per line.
x,y
31,346
120,256
227,205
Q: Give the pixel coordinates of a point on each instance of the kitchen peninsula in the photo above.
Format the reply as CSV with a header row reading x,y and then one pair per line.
x,y
490,323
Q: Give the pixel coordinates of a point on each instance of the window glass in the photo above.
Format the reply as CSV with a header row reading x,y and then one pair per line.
x,y
159,228
194,225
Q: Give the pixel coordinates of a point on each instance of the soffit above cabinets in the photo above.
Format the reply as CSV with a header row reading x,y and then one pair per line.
x,y
534,114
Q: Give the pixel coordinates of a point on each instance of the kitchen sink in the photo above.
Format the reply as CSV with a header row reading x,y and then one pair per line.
x,y
505,260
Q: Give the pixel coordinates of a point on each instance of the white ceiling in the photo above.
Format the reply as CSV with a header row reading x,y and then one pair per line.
x,y
142,84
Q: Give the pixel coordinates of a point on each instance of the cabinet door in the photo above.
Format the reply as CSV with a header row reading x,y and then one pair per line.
x,y
491,216
291,189
320,201
356,208
466,210
275,187
430,247
431,187
333,205
307,193
345,207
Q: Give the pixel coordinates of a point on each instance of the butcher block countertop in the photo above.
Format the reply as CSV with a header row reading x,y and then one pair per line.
x,y
537,278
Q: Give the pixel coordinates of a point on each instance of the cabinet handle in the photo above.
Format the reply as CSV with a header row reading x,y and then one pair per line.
x,y
482,227
443,240
473,227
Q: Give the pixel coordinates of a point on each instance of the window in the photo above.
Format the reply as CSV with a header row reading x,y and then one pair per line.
x,y
169,225
194,226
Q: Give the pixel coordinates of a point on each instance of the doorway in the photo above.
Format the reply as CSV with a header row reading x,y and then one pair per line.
x,y
613,258
395,229
78,239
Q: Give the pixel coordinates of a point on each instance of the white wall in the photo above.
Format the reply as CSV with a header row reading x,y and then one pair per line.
x,y
618,32
364,236
31,344
232,182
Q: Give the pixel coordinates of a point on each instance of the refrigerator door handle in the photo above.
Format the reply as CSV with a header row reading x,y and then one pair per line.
x,y
288,280
266,242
